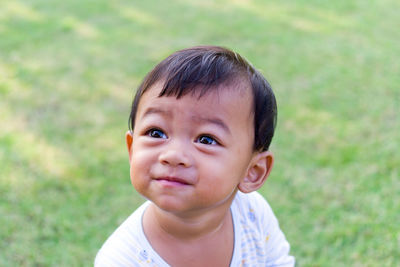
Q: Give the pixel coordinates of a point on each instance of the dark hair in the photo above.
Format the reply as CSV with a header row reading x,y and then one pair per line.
x,y
203,68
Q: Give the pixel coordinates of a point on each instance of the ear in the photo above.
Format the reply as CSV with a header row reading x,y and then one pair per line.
x,y
259,169
129,140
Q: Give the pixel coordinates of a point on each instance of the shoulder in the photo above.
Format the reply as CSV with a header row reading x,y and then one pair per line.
x,y
254,206
125,246
253,198
259,232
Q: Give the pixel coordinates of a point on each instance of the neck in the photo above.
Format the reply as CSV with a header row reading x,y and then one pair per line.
x,y
188,226
184,228
206,233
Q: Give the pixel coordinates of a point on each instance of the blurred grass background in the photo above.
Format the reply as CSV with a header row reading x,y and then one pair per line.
x,y
68,71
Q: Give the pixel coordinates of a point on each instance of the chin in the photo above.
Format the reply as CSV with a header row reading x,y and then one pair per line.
x,y
169,206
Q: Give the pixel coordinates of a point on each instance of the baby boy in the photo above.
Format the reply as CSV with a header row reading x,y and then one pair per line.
x,y
201,125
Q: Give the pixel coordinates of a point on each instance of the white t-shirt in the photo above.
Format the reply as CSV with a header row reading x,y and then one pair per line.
x,y
258,239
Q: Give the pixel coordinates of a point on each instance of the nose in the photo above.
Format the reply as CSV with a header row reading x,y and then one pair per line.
x,y
175,155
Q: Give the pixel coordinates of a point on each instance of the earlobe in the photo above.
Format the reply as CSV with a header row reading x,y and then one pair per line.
x,y
258,172
129,140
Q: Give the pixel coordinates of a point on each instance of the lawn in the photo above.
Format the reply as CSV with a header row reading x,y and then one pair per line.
x,y
69,69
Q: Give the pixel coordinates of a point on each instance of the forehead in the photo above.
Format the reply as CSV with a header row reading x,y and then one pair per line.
x,y
237,95
229,104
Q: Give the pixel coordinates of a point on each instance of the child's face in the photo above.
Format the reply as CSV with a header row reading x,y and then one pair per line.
x,y
190,154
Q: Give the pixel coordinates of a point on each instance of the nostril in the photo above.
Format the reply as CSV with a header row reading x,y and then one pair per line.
x,y
174,158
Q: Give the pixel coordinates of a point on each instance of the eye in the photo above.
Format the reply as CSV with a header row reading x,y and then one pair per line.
x,y
206,140
156,133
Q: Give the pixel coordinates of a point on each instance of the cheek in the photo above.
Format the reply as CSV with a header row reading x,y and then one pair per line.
x,y
220,177
233,164
139,168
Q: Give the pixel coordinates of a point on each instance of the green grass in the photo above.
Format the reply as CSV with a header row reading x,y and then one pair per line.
x,y
68,71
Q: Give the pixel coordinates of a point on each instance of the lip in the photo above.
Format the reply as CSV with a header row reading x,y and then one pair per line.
x,y
172,181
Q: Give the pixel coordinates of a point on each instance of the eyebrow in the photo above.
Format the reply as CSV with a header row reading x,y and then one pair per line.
x,y
212,120
201,119
153,110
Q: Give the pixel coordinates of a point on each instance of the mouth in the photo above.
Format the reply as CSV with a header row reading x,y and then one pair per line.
x,y
172,181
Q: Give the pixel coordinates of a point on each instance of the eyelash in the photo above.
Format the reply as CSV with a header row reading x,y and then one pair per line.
x,y
210,138
151,133
157,133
